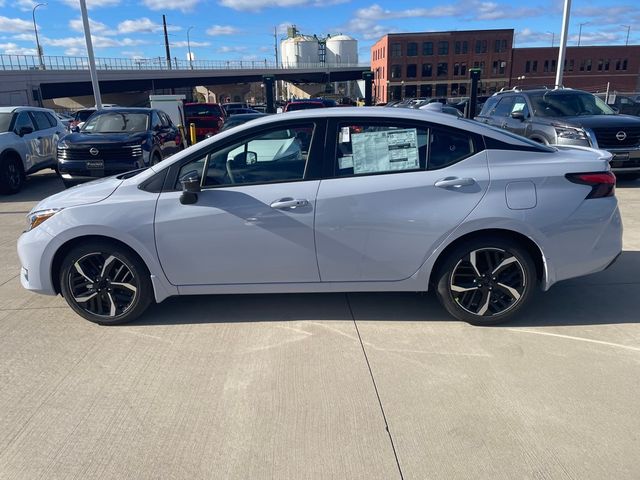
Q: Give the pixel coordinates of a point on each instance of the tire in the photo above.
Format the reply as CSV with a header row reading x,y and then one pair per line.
x,y
475,286
628,177
11,174
156,158
105,283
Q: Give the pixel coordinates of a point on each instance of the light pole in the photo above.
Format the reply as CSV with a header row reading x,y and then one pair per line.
x,y
628,27
92,60
189,48
563,42
35,29
553,37
580,32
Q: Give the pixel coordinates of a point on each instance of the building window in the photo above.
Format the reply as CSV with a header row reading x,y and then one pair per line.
x,y
465,46
546,66
443,69
600,65
571,64
394,92
411,91
412,70
396,71
500,46
463,68
553,65
479,65
454,89
456,69
461,47
396,50
462,90
481,46
427,48
534,66
583,64
606,64
494,70
624,64
527,66
458,48
426,70
441,90
412,49
443,48
426,90
589,65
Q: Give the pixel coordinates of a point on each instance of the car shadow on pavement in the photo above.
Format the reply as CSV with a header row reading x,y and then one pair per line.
x,y
609,297
37,187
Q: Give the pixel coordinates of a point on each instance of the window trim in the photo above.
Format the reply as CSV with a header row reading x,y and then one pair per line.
x,y
312,171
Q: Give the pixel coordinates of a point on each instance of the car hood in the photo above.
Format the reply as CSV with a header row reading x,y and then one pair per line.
x,y
92,192
596,121
81,138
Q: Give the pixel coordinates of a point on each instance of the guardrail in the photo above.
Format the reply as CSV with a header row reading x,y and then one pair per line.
x,y
32,62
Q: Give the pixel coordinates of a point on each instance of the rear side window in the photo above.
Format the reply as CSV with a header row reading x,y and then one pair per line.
x,y
53,121
489,106
447,147
41,120
369,149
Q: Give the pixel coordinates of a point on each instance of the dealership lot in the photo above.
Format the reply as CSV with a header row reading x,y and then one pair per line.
x,y
321,386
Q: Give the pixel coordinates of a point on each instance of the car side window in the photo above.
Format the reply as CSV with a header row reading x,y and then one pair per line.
x,y
367,148
489,106
520,105
447,147
504,107
166,122
279,155
40,119
23,120
53,121
156,123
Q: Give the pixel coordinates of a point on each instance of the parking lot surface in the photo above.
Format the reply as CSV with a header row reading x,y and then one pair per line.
x,y
323,386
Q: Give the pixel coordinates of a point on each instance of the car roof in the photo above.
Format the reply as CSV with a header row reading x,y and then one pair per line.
x,y
189,104
127,110
20,109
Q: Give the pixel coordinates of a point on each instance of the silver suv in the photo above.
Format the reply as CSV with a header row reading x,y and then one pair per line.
x,y
568,117
28,139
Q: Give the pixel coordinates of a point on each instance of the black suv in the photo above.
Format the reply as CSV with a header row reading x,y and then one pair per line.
x,y
568,117
114,141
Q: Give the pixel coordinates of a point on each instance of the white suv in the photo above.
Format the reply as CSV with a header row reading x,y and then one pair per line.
x,y
28,139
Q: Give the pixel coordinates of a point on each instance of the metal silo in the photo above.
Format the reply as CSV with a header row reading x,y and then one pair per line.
x,y
341,49
299,50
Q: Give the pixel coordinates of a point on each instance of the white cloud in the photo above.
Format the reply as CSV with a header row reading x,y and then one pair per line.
x,y
216,30
97,40
136,55
24,37
24,5
182,5
144,25
183,43
257,5
13,49
227,49
75,52
14,25
95,27
91,4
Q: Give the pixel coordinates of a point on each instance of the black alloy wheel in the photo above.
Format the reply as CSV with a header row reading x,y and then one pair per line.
x,y
11,176
485,283
105,283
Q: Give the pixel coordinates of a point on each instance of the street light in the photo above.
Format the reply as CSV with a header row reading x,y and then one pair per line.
x,y
628,27
189,47
553,37
35,29
580,32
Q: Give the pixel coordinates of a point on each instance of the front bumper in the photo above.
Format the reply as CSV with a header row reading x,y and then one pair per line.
x,y
625,160
77,170
33,252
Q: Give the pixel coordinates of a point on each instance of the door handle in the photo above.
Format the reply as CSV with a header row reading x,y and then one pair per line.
x,y
289,203
454,182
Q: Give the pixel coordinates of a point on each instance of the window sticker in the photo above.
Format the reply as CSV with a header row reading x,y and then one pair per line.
x,y
345,135
345,162
385,151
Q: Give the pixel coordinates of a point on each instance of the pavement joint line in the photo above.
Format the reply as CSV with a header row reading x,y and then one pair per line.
x,y
579,339
12,278
15,212
30,308
375,387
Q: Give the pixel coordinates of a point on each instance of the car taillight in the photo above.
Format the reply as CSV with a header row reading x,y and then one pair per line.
x,y
603,184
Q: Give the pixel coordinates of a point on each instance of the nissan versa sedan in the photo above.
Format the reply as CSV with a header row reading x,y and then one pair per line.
x,y
349,199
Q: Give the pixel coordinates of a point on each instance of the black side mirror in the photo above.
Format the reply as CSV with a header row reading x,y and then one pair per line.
x,y
25,131
519,115
190,188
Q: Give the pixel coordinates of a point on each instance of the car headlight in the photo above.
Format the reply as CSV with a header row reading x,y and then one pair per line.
x,y
571,133
36,218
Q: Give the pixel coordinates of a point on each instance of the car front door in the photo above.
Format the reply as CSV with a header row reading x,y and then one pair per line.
x,y
252,222
518,125
170,135
397,191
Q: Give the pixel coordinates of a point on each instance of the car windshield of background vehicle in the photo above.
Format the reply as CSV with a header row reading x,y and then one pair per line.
x,y
304,106
202,111
5,121
116,122
83,115
568,104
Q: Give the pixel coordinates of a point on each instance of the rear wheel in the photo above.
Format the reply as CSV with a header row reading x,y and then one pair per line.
x,y
11,174
486,281
105,283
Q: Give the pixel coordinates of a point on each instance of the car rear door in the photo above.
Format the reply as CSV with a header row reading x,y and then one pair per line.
x,y
47,135
396,190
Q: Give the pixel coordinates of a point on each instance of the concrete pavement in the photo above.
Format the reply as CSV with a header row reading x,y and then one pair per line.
x,y
305,386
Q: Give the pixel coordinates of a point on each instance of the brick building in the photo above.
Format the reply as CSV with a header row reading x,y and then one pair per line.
x,y
436,64
586,68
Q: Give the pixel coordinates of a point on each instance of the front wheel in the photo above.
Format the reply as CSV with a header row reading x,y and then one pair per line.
x,y
486,281
11,176
105,283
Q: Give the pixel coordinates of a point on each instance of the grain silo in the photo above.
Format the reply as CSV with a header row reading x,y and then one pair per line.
x,y
341,49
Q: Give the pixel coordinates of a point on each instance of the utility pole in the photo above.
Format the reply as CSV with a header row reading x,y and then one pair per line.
x,y
189,48
275,46
92,60
166,41
563,42
580,32
628,27
39,48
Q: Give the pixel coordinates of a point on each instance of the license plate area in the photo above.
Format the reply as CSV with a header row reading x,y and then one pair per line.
x,y
95,164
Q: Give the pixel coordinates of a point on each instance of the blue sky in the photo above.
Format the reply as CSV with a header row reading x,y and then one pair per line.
x,y
243,29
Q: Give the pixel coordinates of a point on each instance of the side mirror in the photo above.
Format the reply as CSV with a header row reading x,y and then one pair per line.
x,y
75,129
25,131
245,158
518,115
190,188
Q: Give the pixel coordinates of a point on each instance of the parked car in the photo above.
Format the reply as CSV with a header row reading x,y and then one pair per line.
x,y
240,119
207,117
239,111
625,104
340,199
28,138
439,107
302,105
114,141
79,118
568,117
65,119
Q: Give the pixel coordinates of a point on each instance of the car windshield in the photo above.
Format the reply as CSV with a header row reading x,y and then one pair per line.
x,y
203,111
83,115
5,121
555,104
115,122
